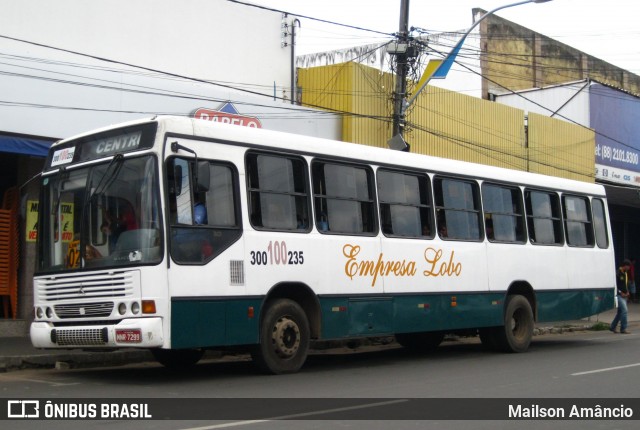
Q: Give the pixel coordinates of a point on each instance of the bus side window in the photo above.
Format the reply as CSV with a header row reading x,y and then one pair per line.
x,y
458,207
278,192
405,208
344,198
600,223
504,213
544,217
578,224
204,220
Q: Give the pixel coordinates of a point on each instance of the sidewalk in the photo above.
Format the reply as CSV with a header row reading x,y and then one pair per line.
x,y
17,352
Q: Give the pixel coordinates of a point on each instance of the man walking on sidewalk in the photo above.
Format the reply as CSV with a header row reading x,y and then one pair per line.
x,y
622,283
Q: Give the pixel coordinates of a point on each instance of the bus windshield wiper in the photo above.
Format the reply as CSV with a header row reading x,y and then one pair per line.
x,y
110,174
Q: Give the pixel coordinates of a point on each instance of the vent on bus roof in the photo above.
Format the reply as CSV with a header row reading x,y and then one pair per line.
x,y
236,268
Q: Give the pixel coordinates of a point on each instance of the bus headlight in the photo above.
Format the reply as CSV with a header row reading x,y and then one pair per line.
x,y
122,308
135,308
39,312
49,312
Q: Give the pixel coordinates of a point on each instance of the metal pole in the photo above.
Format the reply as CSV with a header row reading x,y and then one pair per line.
x,y
401,71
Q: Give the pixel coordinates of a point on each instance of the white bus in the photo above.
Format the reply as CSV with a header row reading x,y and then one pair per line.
x,y
181,235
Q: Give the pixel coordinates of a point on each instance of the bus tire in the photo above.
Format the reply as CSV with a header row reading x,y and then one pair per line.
x,y
420,342
177,358
517,332
284,338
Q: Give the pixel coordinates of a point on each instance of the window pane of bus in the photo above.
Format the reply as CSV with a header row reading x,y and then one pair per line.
x,y
405,221
278,211
461,225
220,198
346,182
544,218
344,216
458,195
458,207
542,231
278,192
541,205
578,224
215,225
275,174
399,188
503,213
576,209
599,223
404,206
182,197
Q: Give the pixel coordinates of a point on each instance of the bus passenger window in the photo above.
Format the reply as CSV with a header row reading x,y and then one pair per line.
x,y
278,192
578,225
458,207
344,198
405,204
600,223
544,218
504,213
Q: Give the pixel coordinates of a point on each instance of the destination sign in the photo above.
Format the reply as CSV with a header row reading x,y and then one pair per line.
x,y
115,144
103,145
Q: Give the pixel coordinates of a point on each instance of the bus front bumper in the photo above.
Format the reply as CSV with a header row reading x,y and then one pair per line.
x,y
128,333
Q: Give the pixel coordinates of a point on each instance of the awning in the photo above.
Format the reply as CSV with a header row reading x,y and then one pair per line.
x,y
25,145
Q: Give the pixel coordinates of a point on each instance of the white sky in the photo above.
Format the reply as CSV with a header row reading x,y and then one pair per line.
x,y
607,29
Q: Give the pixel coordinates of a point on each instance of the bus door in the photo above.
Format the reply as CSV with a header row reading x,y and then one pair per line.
x,y
204,232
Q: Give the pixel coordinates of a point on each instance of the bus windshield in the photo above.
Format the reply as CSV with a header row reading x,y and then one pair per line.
x,y
104,215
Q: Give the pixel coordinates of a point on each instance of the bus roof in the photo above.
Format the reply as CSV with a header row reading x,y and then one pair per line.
x,y
356,152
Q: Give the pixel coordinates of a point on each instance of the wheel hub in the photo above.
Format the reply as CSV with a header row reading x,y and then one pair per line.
x,y
286,337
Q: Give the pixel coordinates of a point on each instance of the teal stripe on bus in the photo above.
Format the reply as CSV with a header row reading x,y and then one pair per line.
x,y
217,322
213,322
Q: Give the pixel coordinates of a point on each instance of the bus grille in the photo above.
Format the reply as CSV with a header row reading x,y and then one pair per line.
x,y
81,310
95,285
80,337
236,272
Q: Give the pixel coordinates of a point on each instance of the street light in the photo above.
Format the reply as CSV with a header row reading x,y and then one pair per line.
x,y
443,68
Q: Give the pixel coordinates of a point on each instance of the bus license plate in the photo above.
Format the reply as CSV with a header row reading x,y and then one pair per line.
x,y
129,336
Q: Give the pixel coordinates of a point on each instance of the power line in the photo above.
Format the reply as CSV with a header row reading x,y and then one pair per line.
x,y
353,27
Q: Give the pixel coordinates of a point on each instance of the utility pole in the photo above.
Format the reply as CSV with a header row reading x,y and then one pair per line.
x,y
401,50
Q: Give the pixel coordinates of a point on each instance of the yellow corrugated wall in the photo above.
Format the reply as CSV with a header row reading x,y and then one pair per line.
x,y
351,87
452,125
448,124
560,148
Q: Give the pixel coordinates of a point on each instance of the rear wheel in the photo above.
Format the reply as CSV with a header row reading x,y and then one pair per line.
x,y
517,332
177,358
284,338
420,342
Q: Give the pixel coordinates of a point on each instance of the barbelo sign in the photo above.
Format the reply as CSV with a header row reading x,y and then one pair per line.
x,y
227,114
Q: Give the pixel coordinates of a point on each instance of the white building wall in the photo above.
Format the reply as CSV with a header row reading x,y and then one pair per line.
x,y
206,39
567,102
56,94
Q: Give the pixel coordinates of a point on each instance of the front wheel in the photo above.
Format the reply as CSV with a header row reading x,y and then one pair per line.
x,y
284,338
